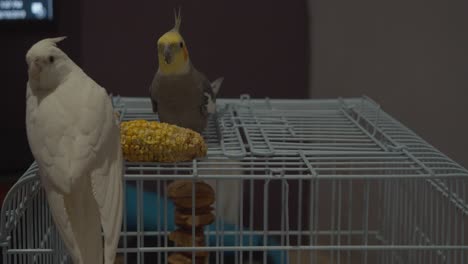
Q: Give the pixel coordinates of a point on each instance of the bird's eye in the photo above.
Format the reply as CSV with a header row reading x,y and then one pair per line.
x,y
181,44
51,59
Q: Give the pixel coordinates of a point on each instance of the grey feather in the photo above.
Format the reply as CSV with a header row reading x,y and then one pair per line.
x,y
216,85
153,94
185,100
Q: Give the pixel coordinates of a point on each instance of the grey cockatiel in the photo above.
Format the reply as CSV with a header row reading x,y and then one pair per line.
x,y
180,94
183,96
75,139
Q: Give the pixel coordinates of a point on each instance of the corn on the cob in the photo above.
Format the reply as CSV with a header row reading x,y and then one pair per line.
x,y
154,141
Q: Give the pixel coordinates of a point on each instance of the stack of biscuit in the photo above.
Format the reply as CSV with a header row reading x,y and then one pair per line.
x,y
181,192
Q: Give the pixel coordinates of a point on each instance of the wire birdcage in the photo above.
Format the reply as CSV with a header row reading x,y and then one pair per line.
x,y
312,181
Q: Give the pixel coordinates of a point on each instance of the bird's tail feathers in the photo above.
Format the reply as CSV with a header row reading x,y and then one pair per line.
x,y
228,195
216,85
83,214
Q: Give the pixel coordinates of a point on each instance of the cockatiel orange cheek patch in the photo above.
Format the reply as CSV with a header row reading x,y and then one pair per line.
x,y
185,54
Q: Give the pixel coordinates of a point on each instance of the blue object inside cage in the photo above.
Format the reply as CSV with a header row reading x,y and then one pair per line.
x,y
156,217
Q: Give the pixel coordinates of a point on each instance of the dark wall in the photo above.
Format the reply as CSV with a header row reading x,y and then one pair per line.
x,y
410,56
259,47
15,40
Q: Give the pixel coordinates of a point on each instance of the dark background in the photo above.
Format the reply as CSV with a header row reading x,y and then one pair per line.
x,y
410,56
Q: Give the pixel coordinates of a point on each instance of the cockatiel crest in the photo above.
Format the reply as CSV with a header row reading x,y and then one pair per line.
x,y
177,20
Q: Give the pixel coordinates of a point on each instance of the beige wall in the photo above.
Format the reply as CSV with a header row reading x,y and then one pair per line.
x,y
410,56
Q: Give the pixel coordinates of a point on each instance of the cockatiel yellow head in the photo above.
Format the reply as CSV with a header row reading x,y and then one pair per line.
x,y
172,51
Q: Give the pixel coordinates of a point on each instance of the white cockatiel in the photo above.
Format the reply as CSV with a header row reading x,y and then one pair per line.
x,y
74,137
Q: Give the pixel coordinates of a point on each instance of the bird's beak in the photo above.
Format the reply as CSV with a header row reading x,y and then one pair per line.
x,y
35,68
167,55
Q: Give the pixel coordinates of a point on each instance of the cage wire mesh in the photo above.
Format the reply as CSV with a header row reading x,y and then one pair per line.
x,y
315,181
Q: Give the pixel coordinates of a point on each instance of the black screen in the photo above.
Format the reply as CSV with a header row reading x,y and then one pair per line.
x,y
24,10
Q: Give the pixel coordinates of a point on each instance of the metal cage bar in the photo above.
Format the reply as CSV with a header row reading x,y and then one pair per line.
x,y
317,181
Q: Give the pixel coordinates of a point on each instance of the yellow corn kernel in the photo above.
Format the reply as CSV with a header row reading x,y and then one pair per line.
x,y
153,141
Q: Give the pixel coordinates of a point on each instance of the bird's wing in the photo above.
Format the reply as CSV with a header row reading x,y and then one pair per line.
x,y
46,127
67,131
107,179
208,100
216,85
153,93
62,221
77,218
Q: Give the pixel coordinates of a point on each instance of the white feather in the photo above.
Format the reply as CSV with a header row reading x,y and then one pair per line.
x,y
211,106
215,86
75,139
228,196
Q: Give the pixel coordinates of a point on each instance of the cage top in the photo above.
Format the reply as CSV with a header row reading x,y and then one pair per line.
x,y
329,138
